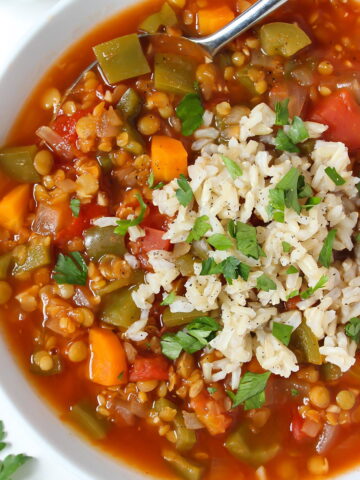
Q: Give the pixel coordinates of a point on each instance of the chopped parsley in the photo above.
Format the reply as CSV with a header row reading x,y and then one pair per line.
x,y
283,143
334,176
311,202
251,391
151,182
286,247
282,332
220,241
304,189
232,167
293,294
75,207
124,225
310,291
352,329
298,132
194,337
265,283
294,392
190,111
212,390
246,241
169,299
357,238
11,463
121,375
201,226
184,194
71,269
282,112
292,270
326,256
231,268
276,208
289,184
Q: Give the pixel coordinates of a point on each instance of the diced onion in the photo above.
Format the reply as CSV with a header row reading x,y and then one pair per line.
x,y
191,421
56,142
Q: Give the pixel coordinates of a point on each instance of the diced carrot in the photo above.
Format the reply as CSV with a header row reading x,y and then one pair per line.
x,y
13,207
210,20
108,365
168,158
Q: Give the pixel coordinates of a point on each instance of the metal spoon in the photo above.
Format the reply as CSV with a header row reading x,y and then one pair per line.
x,y
210,45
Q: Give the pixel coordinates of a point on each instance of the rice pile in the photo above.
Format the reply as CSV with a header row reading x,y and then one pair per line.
x,y
247,314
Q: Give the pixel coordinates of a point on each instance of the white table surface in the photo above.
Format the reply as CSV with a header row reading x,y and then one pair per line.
x,y
16,18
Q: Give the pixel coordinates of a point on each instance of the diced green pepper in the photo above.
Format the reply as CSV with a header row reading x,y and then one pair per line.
x,y
105,162
57,368
122,58
174,73
85,417
305,345
135,278
238,446
165,18
243,78
178,319
284,39
119,309
135,143
101,241
330,372
5,262
38,255
186,265
18,163
185,438
129,104
185,468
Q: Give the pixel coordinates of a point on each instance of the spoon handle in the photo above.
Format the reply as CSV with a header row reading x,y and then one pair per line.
x,y
213,43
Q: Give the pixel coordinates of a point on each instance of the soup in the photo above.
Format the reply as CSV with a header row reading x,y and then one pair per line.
x,y
178,241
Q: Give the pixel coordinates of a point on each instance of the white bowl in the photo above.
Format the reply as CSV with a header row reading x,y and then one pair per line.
x,y
66,23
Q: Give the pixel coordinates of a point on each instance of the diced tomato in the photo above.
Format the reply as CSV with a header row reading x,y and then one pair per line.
x,y
291,304
154,219
80,223
153,240
65,125
296,427
211,413
149,368
341,113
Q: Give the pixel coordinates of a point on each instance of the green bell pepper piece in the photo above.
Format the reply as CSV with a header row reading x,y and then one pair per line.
x,y
57,368
330,372
238,446
166,17
305,345
119,309
136,144
243,78
280,38
135,278
129,104
37,256
85,417
187,469
122,58
174,73
186,265
5,262
18,163
101,241
178,319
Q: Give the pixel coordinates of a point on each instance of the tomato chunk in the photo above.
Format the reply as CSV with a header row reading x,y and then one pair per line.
x,y
149,368
65,125
341,113
211,413
153,240
296,428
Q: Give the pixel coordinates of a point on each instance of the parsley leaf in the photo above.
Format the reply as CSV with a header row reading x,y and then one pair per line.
x,y
123,225
298,132
121,375
286,247
311,202
304,189
184,194
283,143
246,241
71,269
151,181
201,226
292,270
232,167
282,112
293,294
11,464
212,390
289,183
75,207
352,329
169,299
190,111
265,283
231,228
220,241
231,268
282,332
326,256
194,337
277,205
334,176
251,391
294,392
2,436
310,291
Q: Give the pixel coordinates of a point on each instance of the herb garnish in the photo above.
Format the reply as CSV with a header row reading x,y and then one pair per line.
x,y
190,111
265,283
282,112
212,390
277,205
296,132
201,226
334,176
231,268
124,225
151,182
292,270
282,332
310,291
246,241
352,329
326,256
286,247
11,463
184,194
251,391
75,207
169,299
220,241
71,269
232,167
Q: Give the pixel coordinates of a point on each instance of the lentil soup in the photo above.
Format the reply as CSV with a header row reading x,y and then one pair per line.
x,y
178,242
